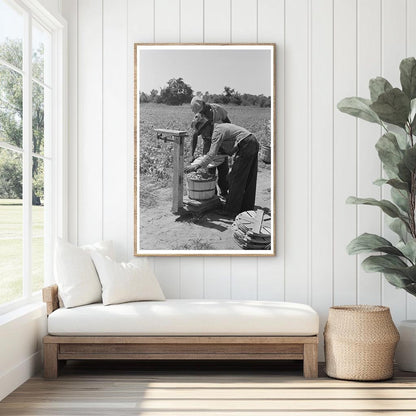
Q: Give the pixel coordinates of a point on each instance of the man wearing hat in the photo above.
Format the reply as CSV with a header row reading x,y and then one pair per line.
x,y
214,113
234,141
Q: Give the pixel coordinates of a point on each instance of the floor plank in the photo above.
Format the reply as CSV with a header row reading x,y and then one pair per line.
x,y
191,389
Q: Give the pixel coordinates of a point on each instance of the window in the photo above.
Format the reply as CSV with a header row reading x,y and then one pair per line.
x,y
31,142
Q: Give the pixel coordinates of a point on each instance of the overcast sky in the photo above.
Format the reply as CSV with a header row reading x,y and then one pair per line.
x,y
247,71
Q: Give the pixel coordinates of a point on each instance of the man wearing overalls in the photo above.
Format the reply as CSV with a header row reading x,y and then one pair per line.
x,y
238,142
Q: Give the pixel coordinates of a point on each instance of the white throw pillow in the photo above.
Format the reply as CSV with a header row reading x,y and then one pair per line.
x,y
104,247
75,273
126,282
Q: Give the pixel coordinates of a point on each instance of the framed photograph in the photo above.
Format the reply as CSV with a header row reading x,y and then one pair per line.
x,y
204,128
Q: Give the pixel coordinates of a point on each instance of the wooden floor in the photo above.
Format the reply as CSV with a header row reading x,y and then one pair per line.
x,y
176,389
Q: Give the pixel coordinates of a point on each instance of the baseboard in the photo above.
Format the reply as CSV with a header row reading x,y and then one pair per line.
x,y
10,380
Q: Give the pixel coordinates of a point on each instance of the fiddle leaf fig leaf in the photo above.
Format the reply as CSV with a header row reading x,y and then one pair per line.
x,y
395,270
389,151
404,172
392,107
410,158
412,109
380,182
378,86
411,273
398,184
381,263
399,197
359,107
408,77
411,289
401,139
400,228
397,280
366,243
412,116
388,207
408,249
395,183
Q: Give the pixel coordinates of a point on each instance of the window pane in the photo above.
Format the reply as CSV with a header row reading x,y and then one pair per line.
x,y
11,34
11,226
38,229
38,118
11,107
41,46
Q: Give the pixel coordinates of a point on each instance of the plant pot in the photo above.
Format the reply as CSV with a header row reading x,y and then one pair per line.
x,y
360,341
406,349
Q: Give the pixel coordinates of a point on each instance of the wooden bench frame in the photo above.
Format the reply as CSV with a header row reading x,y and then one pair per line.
x,y
58,349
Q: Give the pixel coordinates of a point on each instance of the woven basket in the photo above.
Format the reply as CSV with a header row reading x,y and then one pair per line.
x,y
360,342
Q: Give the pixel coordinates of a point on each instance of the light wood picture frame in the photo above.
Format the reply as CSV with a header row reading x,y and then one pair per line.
x,y
209,107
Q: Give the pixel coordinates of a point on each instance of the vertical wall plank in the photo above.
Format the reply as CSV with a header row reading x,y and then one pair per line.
x,y
167,21
192,30
321,166
296,152
244,29
393,51
167,273
411,51
369,168
90,128
244,21
140,29
217,28
271,29
217,24
192,21
70,11
345,151
244,278
192,278
115,158
217,278
167,29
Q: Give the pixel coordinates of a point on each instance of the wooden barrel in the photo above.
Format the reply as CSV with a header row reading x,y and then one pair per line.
x,y
201,189
265,153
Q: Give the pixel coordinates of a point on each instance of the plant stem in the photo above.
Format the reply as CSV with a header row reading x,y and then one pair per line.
x,y
412,192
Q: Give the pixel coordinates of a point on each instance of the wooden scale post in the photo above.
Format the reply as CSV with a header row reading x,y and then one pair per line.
x,y
177,137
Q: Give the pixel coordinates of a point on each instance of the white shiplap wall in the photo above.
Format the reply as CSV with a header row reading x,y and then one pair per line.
x,y
326,50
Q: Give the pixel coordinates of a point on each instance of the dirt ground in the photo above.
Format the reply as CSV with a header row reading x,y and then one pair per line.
x,y
160,229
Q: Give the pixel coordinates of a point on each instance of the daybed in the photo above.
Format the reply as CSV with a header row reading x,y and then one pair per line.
x,y
181,329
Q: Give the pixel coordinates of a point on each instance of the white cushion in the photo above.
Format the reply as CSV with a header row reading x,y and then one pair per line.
x,y
126,282
75,273
187,317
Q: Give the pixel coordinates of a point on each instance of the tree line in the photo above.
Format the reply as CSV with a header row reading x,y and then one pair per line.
x,y
177,92
11,126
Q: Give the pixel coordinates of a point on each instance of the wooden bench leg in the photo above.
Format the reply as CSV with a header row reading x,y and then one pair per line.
x,y
50,360
310,360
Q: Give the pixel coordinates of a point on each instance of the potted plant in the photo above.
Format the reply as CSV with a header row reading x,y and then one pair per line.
x,y
394,109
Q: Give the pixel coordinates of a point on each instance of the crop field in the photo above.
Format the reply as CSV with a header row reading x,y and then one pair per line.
x,y
156,156
11,249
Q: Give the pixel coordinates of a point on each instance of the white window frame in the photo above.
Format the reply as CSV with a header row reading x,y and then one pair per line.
x,y
58,212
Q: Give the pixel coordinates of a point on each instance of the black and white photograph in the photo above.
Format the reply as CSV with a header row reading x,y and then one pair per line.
x,y
204,149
